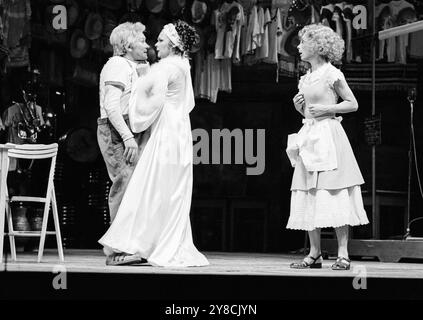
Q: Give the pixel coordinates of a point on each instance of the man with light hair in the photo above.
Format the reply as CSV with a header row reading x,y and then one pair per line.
x,y
118,144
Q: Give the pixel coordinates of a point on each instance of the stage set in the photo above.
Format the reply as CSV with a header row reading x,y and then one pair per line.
x,y
233,216
230,276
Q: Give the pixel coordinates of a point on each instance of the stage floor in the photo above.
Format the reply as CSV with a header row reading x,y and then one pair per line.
x,y
230,276
221,263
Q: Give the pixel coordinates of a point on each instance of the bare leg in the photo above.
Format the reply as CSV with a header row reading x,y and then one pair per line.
x,y
313,260
342,235
314,237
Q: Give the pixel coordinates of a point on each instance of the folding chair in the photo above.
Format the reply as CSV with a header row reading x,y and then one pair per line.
x,y
35,152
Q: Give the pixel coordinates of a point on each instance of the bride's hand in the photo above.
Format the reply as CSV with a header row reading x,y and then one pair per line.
x,y
299,102
319,109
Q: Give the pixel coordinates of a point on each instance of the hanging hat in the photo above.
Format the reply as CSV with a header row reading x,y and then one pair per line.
x,y
73,12
81,145
198,11
154,6
79,44
93,26
407,15
384,19
176,7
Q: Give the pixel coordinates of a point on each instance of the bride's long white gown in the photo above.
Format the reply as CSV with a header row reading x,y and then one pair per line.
x,y
153,219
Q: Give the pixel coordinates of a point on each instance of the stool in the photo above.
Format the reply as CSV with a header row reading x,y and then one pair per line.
x,y
220,204
261,206
34,152
385,198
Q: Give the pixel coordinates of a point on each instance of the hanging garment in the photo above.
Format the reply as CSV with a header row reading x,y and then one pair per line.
x,y
252,32
263,52
348,16
338,19
287,27
207,76
260,37
17,16
229,19
225,75
326,14
275,33
400,11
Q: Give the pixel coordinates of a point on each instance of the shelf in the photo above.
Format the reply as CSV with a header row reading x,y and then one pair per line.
x,y
389,76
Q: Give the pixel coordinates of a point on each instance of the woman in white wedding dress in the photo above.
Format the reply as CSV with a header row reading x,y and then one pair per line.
x,y
153,220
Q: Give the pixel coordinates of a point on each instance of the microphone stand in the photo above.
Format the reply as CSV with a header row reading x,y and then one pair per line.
x,y
411,98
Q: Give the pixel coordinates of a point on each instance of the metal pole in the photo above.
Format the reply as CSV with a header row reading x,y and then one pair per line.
x,y
410,165
375,220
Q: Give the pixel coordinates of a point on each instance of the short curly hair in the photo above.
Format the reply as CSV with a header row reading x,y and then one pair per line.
x,y
187,34
125,35
323,41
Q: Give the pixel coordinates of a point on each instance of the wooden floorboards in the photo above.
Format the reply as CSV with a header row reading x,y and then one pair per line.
x,y
221,263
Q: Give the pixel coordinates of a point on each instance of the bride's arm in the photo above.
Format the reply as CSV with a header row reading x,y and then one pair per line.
x,y
147,99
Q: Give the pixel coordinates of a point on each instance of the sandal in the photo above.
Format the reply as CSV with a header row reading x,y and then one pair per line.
x,y
341,263
123,259
306,265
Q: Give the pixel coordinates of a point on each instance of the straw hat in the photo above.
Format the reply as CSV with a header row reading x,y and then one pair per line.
x,y
81,144
199,11
93,26
79,44
154,6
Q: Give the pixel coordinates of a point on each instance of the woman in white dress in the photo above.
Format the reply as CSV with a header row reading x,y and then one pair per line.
x,y
326,183
153,220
